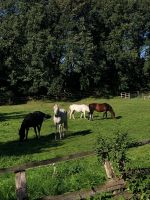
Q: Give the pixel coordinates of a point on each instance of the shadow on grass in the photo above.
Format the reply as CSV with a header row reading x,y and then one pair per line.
x,y
13,115
118,117
98,117
31,146
70,134
34,145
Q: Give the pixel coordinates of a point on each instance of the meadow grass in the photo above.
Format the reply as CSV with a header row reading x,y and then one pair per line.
x,y
133,117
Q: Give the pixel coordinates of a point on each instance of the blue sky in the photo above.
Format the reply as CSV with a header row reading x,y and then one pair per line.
x,y
144,51
145,48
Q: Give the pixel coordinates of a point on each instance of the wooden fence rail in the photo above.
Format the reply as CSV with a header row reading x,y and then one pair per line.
x,y
46,162
21,186
109,186
61,159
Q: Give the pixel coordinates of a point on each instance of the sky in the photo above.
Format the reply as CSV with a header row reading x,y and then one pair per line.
x,y
145,48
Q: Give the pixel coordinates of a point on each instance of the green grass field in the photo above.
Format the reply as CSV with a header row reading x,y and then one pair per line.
x,y
133,117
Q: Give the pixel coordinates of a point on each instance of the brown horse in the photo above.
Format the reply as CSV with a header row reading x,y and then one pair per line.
x,y
101,107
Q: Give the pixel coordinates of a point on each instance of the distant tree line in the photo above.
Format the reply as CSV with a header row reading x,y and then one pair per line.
x,y
51,46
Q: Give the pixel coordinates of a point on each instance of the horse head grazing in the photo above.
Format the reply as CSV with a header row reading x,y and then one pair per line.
x,y
21,133
112,113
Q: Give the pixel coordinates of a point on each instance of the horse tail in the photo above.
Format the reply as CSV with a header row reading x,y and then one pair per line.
x,y
90,107
66,121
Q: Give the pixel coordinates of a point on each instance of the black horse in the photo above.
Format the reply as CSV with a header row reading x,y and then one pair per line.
x,y
34,120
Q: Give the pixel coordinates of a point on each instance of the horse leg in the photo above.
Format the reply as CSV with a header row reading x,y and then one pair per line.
x,y
63,133
26,133
105,114
73,114
91,116
39,129
84,115
60,129
70,114
81,115
35,132
56,132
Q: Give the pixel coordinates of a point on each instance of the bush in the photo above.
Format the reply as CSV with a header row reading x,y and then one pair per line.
x,y
114,150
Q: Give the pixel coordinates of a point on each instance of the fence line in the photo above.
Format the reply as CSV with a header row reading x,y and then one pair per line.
x,y
109,186
46,162
112,185
146,97
125,95
61,159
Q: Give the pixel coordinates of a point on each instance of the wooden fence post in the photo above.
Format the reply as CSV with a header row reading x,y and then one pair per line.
x,y
110,174
21,186
109,170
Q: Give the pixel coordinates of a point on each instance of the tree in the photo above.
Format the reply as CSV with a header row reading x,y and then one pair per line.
x,y
50,46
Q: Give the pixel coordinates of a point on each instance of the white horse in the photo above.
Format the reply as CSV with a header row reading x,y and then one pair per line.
x,y
60,121
78,108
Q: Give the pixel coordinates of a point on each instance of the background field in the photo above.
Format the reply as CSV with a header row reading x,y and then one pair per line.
x,y
133,117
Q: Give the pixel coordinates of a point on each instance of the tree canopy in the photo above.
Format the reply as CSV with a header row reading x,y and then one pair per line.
x,y
51,46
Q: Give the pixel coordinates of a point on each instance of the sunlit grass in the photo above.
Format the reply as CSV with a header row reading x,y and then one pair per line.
x,y
133,117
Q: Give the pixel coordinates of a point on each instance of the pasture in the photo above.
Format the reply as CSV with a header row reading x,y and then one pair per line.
x,y
133,117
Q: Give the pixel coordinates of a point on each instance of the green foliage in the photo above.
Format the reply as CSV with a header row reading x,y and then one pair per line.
x,y
7,187
113,149
95,43
139,185
68,177
56,87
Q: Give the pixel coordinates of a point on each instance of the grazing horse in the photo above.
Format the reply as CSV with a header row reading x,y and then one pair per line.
x,y
78,108
60,121
102,107
34,120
